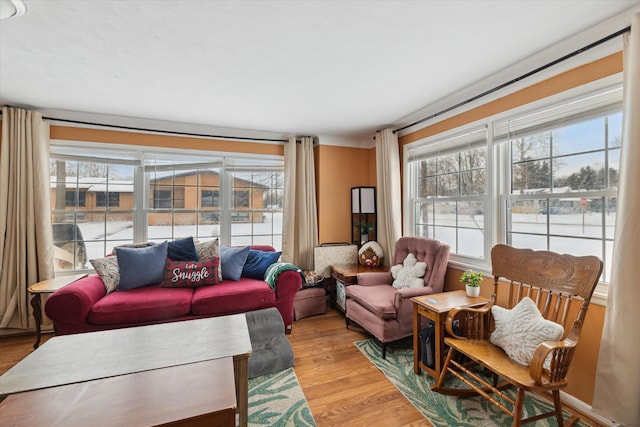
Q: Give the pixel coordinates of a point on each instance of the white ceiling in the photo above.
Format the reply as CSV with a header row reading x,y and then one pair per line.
x,y
336,68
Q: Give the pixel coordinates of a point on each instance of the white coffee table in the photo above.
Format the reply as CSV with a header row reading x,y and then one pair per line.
x,y
70,359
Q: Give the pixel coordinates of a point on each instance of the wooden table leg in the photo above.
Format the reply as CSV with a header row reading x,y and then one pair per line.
x,y
37,314
439,343
416,340
241,375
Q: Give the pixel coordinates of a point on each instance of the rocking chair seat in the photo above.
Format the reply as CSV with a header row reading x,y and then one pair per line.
x,y
487,354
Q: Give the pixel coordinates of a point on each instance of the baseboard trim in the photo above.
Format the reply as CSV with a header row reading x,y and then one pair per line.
x,y
584,411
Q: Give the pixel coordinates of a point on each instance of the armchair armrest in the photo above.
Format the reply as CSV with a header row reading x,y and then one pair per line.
x,y
562,354
405,293
375,278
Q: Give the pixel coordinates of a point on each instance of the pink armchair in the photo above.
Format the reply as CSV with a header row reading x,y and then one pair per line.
x,y
386,312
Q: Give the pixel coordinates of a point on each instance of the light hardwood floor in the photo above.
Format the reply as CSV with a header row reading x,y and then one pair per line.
x,y
342,387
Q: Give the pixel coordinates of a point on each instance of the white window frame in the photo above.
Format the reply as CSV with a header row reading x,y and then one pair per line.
x,y
135,155
498,179
452,141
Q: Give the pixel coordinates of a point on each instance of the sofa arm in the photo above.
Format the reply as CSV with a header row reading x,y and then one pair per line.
x,y
72,304
375,278
288,284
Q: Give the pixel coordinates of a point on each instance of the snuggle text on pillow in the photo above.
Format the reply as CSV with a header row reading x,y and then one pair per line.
x,y
192,275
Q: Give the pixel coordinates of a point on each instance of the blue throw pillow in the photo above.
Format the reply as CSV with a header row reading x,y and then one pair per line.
x,y
182,250
232,260
258,262
141,266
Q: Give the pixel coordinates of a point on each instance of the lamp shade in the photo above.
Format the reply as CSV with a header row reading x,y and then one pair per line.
x,y
363,200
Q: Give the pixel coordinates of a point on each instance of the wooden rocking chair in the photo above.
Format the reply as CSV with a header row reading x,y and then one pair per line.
x,y
553,282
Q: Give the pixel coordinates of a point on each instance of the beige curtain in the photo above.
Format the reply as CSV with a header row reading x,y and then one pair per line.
x,y
389,193
26,246
300,228
617,388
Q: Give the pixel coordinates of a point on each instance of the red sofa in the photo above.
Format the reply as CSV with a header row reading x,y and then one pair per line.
x,y
84,306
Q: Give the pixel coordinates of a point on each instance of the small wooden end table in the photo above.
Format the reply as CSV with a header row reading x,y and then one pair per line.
x,y
47,287
345,275
436,307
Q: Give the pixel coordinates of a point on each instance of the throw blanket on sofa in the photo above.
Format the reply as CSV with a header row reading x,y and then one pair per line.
x,y
274,270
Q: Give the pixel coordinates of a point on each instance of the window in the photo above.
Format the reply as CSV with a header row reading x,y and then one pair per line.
x,y
75,198
210,198
92,206
553,186
563,187
110,196
449,198
104,199
257,206
162,199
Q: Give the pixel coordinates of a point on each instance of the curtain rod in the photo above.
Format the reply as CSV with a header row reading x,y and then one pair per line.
x,y
166,131
517,79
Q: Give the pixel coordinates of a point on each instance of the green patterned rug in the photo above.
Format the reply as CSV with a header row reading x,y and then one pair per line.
x,y
442,410
277,400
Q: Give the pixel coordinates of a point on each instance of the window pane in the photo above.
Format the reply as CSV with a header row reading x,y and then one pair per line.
x,y
445,214
471,242
530,177
614,129
427,187
210,198
448,163
610,217
448,185
446,235
119,226
531,147
580,137
473,183
580,172
537,243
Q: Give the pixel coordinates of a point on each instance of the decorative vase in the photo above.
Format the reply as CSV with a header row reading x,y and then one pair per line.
x,y
472,291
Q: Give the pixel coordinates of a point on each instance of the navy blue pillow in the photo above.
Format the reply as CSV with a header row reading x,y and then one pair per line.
x,y
141,266
258,262
232,260
182,250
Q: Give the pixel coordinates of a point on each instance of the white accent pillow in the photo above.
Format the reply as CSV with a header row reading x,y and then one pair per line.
x,y
519,331
410,274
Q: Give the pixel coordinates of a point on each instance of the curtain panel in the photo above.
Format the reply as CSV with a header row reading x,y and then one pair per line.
x,y
300,228
26,248
389,192
617,387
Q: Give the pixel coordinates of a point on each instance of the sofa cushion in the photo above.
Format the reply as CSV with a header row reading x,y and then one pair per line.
x,y
377,299
257,263
232,297
190,274
232,260
141,266
182,250
209,249
146,304
107,269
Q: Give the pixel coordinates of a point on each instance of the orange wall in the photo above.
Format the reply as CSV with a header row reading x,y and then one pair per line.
x,y
582,372
339,169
